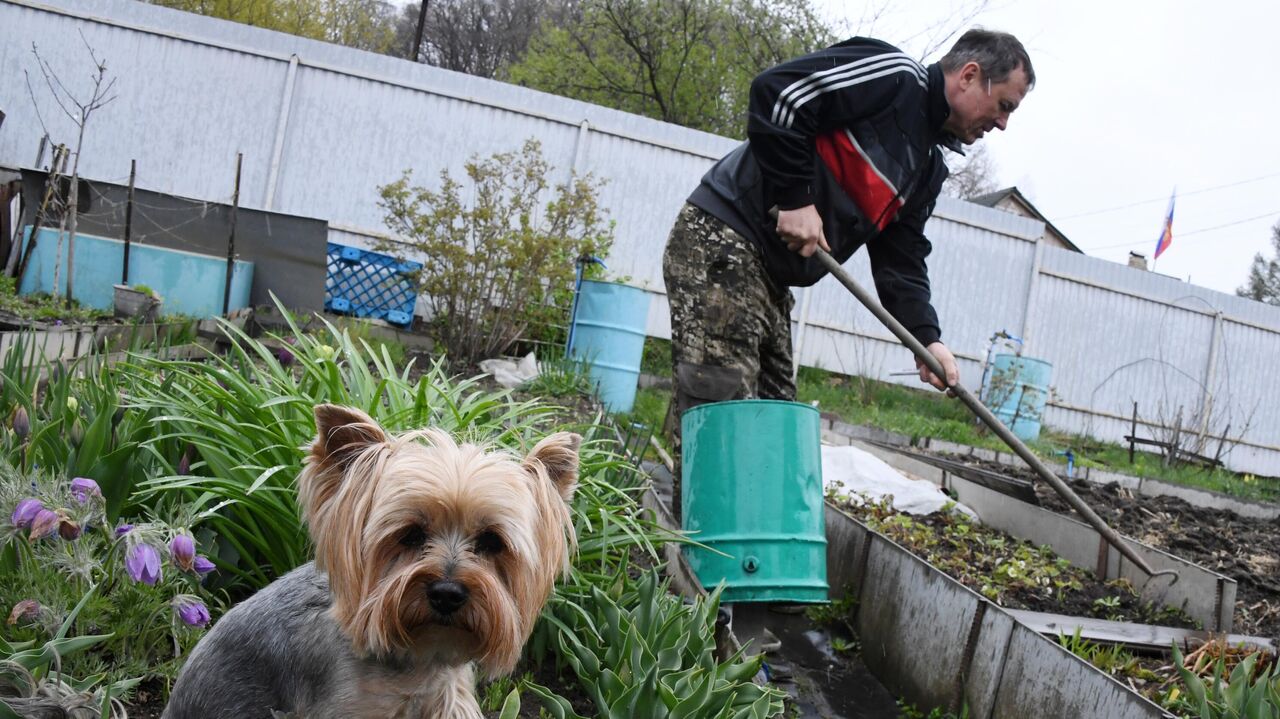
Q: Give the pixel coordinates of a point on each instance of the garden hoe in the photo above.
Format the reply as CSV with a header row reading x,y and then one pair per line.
x,y
995,424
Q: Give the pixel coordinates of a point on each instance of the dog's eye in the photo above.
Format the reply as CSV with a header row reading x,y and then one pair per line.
x,y
413,537
488,542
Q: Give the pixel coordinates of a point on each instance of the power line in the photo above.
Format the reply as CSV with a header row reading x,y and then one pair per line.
x,y
1180,235
1165,199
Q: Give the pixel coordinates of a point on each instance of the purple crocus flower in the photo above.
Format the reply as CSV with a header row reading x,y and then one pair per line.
x,y
191,610
202,565
123,530
21,424
182,550
44,524
184,462
143,563
83,488
284,354
25,511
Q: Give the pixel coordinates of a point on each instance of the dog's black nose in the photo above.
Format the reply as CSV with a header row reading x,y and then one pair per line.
x,y
446,596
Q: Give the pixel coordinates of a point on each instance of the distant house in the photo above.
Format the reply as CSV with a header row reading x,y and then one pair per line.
x,y
1011,200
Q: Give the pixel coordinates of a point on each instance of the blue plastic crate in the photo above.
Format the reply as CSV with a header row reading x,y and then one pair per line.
x,y
370,284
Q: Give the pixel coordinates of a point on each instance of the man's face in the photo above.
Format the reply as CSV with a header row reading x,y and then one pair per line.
x,y
978,105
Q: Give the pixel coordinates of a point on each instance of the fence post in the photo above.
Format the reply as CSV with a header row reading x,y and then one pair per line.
x,y
802,329
282,126
1210,372
1031,291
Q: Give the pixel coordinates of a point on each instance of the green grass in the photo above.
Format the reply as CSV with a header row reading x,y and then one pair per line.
x,y
916,413
920,413
925,413
1146,464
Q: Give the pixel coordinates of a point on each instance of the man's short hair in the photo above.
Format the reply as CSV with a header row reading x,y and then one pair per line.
x,y
997,53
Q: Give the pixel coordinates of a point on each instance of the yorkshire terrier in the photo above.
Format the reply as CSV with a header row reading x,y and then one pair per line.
x,y
433,559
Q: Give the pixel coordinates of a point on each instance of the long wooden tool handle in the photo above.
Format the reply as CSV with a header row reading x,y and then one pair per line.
x,y
985,415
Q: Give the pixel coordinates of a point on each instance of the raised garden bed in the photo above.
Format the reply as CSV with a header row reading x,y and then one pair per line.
x,y
1244,548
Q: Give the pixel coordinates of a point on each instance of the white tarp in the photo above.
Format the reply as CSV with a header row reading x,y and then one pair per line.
x,y
512,373
860,475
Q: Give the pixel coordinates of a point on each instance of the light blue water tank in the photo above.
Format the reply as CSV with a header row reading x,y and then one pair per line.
x,y
608,333
1018,391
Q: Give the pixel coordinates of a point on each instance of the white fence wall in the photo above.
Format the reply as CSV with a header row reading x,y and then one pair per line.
x,y
322,126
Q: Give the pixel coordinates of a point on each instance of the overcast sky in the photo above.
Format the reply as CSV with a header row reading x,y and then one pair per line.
x,y
1132,99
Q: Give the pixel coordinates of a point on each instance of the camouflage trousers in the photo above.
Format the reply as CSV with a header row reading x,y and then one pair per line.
x,y
730,324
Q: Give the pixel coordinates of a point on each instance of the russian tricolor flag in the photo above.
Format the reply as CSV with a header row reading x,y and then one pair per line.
x,y
1166,237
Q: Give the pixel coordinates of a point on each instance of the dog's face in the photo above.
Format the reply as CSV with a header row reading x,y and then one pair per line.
x,y
435,551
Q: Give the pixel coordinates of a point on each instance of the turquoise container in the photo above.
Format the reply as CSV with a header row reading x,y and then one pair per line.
x,y
608,333
189,283
1019,389
752,493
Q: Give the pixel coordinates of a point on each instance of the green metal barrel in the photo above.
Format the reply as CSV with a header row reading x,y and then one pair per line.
x,y
752,493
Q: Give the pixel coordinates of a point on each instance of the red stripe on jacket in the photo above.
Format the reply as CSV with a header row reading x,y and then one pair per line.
x,y
858,178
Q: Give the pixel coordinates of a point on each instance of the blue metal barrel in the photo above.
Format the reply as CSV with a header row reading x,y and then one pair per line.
x,y
608,333
1017,392
751,483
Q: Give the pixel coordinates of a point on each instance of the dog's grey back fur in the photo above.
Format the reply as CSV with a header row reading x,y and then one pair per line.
x,y
274,651
279,651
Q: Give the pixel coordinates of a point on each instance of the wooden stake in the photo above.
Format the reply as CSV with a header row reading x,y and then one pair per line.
x,y
231,243
1133,431
50,189
128,221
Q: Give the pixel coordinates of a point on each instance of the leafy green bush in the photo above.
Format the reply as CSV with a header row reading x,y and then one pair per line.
x,y
495,267
642,653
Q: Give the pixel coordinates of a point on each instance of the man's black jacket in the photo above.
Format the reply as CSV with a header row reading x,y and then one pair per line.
x,y
855,130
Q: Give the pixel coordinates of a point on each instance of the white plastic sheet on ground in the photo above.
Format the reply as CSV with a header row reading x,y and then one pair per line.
x,y
511,373
859,475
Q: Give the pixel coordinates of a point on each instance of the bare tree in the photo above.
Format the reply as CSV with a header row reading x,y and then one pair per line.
x,y
78,111
478,37
971,175
877,20
1263,283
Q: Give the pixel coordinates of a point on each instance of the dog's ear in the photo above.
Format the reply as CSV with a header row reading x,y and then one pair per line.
x,y
557,455
341,432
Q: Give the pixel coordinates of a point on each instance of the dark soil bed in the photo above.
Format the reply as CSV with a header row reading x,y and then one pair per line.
x,y
1012,572
1243,548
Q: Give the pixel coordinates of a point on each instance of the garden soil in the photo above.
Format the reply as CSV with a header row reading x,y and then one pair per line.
x,y
1243,548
